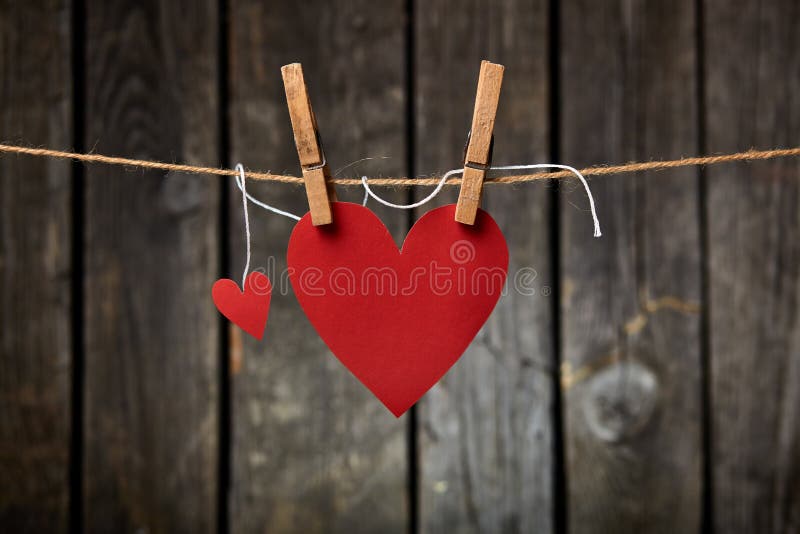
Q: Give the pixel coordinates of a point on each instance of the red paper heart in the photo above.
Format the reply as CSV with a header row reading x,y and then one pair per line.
x,y
249,308
397,320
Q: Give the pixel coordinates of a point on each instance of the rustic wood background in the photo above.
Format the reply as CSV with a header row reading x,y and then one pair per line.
x,y
651,383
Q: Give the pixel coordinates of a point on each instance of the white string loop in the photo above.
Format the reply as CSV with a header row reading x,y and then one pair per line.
x,y
425,200
448,174
240,181
369,193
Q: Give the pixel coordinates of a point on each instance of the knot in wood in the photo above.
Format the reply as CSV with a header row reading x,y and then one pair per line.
x,y
619,401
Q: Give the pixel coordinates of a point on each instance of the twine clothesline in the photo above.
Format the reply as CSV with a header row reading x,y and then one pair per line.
x,y
600,170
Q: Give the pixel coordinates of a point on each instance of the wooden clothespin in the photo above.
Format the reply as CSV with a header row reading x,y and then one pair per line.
x,y
478,153
316,173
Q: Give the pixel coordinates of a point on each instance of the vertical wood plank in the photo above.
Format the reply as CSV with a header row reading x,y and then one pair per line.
x,y
151,398
752,88
631,300
35,261
313,450
486,430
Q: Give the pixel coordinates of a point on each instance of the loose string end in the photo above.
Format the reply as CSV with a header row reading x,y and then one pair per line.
x,y
573,170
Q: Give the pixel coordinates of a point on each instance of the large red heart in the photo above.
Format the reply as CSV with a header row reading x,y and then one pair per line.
x,y
249,308
398,320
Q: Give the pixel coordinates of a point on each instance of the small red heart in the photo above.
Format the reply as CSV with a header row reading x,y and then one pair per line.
x,y
398,320
249,308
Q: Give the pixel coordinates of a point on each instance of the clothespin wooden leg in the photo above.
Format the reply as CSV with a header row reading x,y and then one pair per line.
x,y
478,153
316,173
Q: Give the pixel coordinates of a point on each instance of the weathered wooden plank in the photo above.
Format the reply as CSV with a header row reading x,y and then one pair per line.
x,y
486,430
631,372
151,392
752,88
35,269
313,450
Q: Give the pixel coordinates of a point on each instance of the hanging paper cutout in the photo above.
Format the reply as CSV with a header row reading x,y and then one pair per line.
x,y
397,320
249,308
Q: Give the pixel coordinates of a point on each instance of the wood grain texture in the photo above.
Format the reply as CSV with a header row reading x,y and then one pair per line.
x,y
631,372
316,171
151,386
313,450
486,430
752,90
479,146
35,269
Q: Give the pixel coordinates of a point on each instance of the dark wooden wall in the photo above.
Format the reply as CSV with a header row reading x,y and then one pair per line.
x,y
648,381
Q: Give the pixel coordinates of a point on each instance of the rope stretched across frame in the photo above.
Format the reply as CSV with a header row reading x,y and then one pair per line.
x,y
601,170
